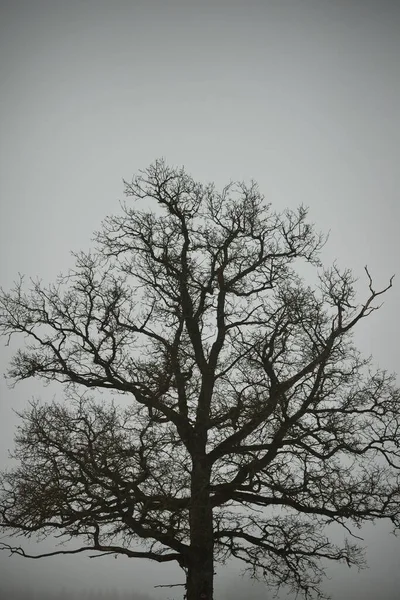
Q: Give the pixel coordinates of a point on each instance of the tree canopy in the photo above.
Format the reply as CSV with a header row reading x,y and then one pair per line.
x,y
215,403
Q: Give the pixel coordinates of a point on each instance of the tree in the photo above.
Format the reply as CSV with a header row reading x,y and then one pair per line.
x,y
238,419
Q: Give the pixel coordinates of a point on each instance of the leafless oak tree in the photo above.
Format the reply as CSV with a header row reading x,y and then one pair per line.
x,y
237,419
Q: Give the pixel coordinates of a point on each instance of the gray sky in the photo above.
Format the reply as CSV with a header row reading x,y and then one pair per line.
x,y
301,95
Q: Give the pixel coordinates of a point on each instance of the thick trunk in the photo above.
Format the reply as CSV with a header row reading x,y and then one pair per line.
x,y
200,576
200,570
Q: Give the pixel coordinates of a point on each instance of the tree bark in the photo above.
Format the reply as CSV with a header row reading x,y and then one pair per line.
x,y
200,571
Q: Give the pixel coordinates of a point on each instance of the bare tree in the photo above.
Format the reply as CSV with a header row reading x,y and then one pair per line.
x,y
246,423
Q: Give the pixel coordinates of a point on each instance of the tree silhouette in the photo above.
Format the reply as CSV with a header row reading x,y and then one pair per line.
x,y
237,418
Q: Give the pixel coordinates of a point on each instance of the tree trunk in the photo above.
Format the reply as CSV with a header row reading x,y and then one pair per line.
x,y
200,570
200,576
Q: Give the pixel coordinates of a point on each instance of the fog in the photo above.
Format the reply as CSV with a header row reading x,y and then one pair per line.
x,y
301,95
62,594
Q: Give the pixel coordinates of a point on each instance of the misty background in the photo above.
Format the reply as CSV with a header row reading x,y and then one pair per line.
x,y
303,96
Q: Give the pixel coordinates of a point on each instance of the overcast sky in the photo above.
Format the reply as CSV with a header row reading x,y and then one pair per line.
x,y
300,95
